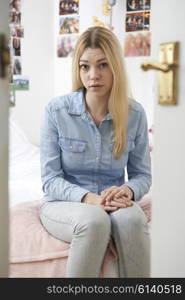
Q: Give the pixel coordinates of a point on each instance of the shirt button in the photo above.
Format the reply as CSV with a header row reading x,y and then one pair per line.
x,y
97,158
71,147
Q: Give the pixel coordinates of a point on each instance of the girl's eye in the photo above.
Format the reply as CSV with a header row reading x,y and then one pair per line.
x,y
84,67
103,65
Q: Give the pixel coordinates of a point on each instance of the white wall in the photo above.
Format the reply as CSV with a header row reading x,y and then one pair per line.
x,y
168,214
37,64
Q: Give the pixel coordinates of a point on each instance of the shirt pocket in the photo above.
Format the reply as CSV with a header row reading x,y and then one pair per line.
x,y
73,151
121,162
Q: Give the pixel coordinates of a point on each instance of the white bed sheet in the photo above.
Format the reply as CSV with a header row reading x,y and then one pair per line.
x,y
24,167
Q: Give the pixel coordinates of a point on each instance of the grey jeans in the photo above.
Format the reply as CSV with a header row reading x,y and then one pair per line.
x,y
88,229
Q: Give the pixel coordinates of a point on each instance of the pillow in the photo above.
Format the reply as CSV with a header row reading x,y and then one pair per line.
x,y
19,144
24,166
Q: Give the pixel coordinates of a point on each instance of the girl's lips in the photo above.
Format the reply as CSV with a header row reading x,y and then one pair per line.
x,y
95,85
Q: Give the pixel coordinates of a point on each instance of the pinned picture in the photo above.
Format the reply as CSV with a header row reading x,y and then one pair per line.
x,y
16,31
68,7
137,44
17,66
15,5
133,5
66,45
13,32
19,31
20,83
16,46
15,17
69,25
138,21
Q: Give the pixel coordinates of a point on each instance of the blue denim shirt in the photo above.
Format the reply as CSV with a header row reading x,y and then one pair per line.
x,y
77,156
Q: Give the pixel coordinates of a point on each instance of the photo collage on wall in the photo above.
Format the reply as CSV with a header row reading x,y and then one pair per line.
x,y
137,27
17,80
68,27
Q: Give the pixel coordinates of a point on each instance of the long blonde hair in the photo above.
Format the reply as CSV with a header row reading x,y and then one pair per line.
x,y
103,38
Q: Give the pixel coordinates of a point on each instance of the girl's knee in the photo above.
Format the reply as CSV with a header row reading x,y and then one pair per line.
x,y
133,216
97,220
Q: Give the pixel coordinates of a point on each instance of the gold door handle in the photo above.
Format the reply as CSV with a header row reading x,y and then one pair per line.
x,y
168,67
4,56
151,65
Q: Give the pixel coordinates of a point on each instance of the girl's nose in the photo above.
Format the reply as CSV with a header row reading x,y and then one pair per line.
x,y
94,73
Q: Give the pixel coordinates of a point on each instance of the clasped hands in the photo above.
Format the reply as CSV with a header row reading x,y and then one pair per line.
x,y
112,198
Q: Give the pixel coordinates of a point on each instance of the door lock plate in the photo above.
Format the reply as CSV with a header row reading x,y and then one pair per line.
x,y
168,71
168,54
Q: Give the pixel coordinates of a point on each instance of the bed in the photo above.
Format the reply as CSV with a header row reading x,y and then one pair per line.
x,y
33,251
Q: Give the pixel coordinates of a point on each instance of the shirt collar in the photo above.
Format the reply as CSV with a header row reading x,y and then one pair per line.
x,y
108,117
77,105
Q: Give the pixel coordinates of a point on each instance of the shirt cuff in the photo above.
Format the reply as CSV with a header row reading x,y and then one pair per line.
x,y
134,188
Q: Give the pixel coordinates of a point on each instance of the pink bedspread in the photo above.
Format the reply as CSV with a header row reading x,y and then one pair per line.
x,y
35,253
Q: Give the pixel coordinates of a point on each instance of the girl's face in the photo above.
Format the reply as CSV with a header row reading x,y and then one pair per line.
x,y
95,73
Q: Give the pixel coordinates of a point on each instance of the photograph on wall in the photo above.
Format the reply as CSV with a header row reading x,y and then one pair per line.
x,y
20,83
138,5
68,25
137,44
13,32
16,31
15,5
66,45
16,46
15,17
20,31
68,7
137,21
17,65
